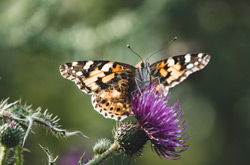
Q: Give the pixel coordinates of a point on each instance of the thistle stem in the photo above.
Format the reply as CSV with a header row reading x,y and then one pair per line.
x,y
19,156
99,158
3,154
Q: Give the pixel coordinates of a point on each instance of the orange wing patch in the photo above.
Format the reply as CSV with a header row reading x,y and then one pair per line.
x,y
163,72
116,68
113,102
170,70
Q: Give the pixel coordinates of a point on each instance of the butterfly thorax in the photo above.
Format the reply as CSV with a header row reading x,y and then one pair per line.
x,y
143,75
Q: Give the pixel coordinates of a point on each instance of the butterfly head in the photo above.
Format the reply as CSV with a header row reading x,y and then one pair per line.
x,y
143,64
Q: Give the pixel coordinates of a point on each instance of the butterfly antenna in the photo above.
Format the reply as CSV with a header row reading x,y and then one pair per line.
x,y
174,39
128,46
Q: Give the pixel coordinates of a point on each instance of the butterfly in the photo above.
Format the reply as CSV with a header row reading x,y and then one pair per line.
x,y
111,83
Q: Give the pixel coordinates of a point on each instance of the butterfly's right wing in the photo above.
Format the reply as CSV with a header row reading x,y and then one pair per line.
x,y
174,70
109,82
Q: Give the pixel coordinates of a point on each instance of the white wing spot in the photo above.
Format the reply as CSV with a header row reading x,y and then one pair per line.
x,y
87,65
74,63
170,61
66,66
187,58
200,55
196,63
189,66
106,67
78,73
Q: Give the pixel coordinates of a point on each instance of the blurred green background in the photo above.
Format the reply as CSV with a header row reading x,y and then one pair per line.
x,y
36,36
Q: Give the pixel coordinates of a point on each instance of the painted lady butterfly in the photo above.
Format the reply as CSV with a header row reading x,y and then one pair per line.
x,y
111,83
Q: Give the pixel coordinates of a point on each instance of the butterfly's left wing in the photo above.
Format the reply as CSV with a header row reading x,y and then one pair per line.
x,y
109,83
174,70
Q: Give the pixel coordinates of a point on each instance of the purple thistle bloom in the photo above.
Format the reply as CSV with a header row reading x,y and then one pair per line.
x,y
160,121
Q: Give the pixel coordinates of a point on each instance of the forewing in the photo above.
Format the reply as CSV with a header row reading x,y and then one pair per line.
x,y
174,70
109,82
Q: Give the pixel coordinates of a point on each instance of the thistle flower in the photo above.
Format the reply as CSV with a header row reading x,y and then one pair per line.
x,y
160,121
156,121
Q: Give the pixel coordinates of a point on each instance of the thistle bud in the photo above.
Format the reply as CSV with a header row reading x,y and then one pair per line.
x,y
131,138
11,134
101,146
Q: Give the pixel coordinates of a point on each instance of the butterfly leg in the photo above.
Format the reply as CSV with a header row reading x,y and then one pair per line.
x,y
138,87
132,93
137,81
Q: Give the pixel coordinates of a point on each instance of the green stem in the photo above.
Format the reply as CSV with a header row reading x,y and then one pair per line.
x,y
99,158
3,154
19,156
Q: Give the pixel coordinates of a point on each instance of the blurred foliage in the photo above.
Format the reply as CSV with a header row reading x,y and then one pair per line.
x,y
39,35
